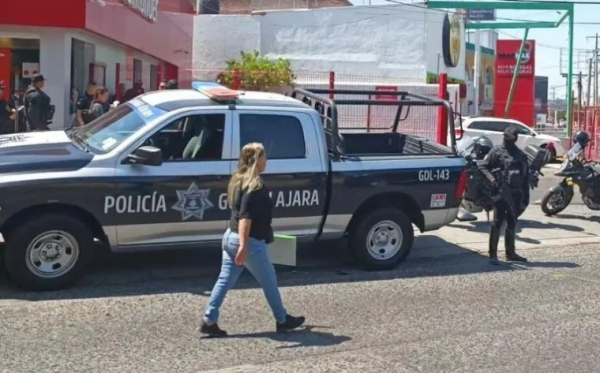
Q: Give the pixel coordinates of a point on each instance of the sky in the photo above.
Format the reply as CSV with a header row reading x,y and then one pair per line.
x,y
549,41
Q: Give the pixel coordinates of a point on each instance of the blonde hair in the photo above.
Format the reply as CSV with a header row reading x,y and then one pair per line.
x,y
246,177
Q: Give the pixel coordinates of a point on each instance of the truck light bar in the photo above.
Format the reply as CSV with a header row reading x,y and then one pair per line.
x,y
215,91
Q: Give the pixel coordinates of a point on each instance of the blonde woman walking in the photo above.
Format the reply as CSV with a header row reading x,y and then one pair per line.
x,y
245,242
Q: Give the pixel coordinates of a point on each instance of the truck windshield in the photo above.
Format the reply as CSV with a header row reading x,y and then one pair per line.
x,y
108,131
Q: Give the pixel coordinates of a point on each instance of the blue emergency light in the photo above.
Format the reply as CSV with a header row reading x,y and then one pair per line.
x,y
201,86
216,92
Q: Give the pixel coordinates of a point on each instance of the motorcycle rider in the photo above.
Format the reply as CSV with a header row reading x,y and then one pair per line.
x,y
514,168
580,141
482,147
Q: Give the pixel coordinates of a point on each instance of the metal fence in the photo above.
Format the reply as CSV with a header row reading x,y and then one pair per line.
x,y
418,120
588,119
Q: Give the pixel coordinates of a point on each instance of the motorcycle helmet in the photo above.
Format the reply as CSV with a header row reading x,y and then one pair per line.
x,y
582,138
482,146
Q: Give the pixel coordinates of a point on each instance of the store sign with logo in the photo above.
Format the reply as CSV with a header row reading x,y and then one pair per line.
x,y
146,8
523,102
481,14
507,61
451,40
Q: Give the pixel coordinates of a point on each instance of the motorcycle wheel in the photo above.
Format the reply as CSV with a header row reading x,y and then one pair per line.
x,y
557,200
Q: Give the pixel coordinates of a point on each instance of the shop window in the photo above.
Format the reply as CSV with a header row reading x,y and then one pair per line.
x,y
489,74
137,70
98,73
153,78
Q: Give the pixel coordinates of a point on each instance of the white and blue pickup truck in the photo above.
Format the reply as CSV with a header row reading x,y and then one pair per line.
x,y
153,173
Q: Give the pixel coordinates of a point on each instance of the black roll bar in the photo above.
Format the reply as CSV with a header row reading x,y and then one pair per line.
x,y
406,98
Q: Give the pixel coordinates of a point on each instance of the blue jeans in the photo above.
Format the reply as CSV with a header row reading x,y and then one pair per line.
x,y
258,263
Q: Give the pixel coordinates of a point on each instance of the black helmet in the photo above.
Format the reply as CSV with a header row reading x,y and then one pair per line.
x,y
582,138
482,146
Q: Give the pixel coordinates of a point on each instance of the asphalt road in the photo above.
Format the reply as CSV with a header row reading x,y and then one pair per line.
x,y
139,313
452,313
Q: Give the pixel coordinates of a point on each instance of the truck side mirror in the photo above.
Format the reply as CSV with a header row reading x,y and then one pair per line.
x,y
146,155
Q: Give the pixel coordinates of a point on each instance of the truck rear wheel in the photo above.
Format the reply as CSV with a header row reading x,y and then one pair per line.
x,y
49,252
382,239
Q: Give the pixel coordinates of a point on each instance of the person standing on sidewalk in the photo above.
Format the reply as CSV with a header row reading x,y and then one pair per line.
x,y
99,105
38,109
7,114
172,84
83,104
132,93
513,166
245,242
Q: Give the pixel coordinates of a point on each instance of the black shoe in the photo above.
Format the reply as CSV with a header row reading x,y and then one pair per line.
x,y
212,330
494,260
290,323
515,258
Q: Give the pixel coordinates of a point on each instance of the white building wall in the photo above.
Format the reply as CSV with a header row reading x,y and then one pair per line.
x,y
55,65
354,40
219,38
384,41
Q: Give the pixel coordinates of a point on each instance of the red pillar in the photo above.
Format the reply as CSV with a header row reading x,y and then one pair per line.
x,y
331,83
5,71
442,114
236,79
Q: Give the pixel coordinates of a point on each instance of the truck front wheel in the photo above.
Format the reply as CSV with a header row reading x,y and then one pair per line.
x,y
48,252
382,239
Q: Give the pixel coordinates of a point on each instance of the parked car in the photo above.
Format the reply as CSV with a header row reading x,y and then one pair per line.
x,y
493,128
153,173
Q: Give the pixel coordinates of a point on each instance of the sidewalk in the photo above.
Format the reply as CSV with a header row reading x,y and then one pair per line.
x,y
575,225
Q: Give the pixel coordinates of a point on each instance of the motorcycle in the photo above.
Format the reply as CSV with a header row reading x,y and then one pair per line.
x,y
576,172
478,194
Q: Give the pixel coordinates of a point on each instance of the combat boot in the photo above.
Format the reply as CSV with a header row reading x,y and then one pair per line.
x,y
509,241
493,245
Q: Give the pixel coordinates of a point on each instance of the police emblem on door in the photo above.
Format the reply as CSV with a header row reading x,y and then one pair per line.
x,y
192,202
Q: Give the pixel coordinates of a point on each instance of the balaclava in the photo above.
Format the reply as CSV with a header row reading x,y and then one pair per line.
x,y
510,137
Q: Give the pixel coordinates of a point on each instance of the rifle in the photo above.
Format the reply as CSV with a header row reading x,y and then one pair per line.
x,y
503,192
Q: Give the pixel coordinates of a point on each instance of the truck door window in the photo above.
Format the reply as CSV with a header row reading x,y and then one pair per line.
x,y
281,135
192,138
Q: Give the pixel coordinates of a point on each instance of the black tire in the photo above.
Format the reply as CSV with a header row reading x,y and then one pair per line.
x,y
71,238
361,231
555,210
552,153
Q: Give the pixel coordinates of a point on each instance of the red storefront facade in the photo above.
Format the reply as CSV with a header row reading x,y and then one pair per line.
x,y
523,103
110,42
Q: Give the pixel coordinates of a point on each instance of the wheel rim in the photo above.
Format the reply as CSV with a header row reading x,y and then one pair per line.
x,y
384,240
557,201
52,254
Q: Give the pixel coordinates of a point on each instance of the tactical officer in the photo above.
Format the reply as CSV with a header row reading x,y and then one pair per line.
x,y
506,166
37,105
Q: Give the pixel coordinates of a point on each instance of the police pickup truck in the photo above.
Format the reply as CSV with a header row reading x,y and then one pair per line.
x,y
153,173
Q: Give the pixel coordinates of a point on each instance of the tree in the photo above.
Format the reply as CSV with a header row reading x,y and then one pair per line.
x,y
256,72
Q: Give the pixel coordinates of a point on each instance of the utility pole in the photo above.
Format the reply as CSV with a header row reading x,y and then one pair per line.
x,y
595,68
589,83
477,68
579,90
